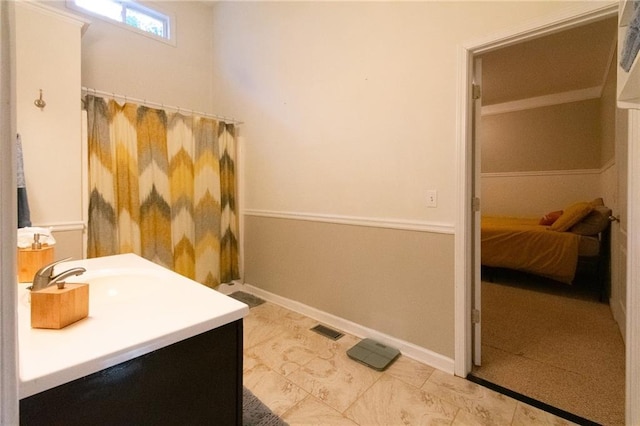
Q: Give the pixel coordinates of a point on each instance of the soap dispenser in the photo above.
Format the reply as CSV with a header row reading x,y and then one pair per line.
x,y
30,260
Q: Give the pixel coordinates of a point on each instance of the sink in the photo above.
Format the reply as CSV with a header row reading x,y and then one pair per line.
x,y
125,286
135,307
114,286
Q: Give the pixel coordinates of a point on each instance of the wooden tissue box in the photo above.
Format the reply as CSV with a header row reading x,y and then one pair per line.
x,y
57,308
31,260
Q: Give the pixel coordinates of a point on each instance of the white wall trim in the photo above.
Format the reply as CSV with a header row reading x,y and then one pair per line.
x,y
608,165
463,249
9,376
613,53
543,173
85,195
408,349
71,18
543,101
63,226
578,14
405,225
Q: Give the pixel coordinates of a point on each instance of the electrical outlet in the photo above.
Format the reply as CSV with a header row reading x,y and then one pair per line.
x,y
432,198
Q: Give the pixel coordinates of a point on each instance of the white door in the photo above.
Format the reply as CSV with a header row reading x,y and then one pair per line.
x,y
618,292
633,271
477,287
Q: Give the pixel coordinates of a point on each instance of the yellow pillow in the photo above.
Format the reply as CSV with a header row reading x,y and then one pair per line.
x,y
571,215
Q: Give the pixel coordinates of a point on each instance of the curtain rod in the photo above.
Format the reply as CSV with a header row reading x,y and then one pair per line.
x,y
162,106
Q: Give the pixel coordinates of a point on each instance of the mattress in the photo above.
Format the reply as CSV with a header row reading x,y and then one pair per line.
x,y
588,246
522,244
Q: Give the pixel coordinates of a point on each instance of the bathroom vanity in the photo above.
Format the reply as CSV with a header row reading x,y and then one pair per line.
x,y
156,348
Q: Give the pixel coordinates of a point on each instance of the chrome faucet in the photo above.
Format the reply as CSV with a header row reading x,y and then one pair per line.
x,y
44,277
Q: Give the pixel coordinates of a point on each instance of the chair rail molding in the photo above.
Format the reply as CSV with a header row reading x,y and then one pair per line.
x,y
400,224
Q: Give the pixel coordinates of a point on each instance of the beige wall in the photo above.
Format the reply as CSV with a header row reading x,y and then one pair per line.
x,y
395,282
558,137
68,244
350,111
544,159
536,194
47,57
608,116
540,160
120,61
350,106
610,129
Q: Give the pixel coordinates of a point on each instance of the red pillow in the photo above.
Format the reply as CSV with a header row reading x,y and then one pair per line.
x,y
549,218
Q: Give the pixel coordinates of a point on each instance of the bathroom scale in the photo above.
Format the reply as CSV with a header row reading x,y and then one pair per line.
x,y
373,354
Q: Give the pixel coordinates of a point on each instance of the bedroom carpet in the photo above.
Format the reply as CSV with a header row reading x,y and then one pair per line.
x,y
557,346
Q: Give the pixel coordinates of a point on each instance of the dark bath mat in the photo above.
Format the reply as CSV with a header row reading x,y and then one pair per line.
x,y
247,298
255,413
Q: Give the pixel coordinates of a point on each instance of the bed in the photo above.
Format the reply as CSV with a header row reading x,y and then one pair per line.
x,y
553,246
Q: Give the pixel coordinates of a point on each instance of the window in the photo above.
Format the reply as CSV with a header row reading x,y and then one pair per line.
x,y
133,15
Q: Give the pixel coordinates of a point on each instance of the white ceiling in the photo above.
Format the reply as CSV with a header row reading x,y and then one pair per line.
x,y
570,60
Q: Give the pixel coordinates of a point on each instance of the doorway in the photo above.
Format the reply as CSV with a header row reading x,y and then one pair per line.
x,y
539,154
464,296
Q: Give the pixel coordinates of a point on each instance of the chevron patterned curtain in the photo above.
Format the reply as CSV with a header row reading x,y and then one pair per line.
x,y
163,186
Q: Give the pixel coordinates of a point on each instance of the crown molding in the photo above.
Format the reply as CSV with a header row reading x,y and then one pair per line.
x,y
543,101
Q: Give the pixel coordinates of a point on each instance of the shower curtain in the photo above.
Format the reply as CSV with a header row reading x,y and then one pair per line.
x,y
162,185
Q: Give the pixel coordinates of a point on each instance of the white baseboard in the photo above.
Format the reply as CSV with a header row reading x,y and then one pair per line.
x,y
230,288
620,316
410,350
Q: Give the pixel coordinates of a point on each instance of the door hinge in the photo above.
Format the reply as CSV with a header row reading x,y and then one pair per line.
x,y
476,91
475,204
475,316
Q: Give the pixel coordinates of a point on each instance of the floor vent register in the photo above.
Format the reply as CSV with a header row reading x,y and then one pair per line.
x,y
327,332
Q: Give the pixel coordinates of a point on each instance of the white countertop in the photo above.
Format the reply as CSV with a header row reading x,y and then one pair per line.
x,y
144,309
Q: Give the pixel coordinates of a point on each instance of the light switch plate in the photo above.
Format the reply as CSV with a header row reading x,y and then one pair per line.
x,y
432,198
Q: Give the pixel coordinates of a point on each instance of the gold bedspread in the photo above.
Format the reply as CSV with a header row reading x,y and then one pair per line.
x,y
522,244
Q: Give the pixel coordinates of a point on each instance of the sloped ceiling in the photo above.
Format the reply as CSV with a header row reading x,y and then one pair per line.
x,y
566,61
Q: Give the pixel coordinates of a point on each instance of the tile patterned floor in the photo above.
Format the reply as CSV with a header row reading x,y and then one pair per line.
x,y
308,379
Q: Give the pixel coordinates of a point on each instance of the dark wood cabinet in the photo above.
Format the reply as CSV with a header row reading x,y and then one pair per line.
x,y
197,381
